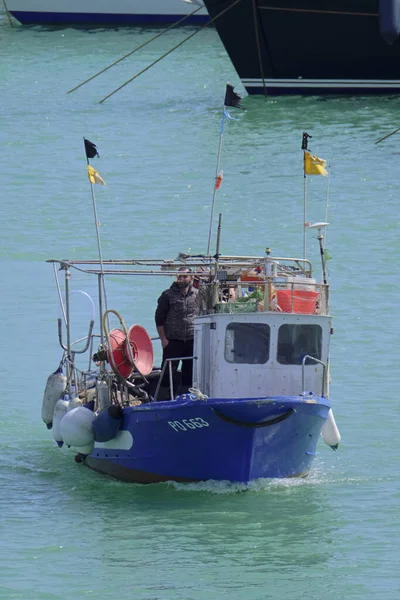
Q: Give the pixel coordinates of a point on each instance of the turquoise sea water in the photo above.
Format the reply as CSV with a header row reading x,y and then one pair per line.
x,y
67,533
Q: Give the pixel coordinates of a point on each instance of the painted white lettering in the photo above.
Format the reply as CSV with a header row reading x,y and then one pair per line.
x,y
202,421
186,424
180,425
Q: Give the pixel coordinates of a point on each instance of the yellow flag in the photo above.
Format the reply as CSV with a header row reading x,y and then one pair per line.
x,y
94,177
314,165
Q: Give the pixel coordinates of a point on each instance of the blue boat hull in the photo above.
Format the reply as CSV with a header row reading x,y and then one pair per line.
x,y
236,440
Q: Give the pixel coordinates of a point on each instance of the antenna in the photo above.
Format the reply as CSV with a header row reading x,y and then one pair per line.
x,y
320,239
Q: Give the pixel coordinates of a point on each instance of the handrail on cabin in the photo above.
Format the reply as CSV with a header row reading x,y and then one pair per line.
x,y
320,362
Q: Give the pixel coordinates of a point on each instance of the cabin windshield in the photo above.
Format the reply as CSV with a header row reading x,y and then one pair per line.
x,y
247,343
295,341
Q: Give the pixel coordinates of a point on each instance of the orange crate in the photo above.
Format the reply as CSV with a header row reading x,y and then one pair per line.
x,y
304,302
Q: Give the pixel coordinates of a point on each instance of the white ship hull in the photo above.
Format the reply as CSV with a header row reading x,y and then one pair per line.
x,y
103,12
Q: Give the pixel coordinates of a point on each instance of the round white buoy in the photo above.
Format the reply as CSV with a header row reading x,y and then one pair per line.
x,y
74,402
88,449
76,427
330,431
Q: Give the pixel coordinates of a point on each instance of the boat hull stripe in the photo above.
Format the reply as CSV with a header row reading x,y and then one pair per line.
x,y
301,83
255,425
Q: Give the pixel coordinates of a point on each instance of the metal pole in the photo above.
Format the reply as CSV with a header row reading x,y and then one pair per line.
x,y
218,237
98,243
327,202
67,277
99,278
322,252
316,360
215,286
305,216
216,175
103,286
171,380
304,147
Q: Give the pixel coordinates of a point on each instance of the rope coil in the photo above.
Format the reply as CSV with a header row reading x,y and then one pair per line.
x,y
198,395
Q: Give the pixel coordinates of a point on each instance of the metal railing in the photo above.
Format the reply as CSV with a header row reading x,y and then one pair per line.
x,y
320,362
168,362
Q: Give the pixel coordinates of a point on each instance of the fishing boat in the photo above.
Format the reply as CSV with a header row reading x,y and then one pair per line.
x,y
307,47
105,13
259,398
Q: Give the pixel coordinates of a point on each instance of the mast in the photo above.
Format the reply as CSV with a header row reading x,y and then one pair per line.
x,y
231,99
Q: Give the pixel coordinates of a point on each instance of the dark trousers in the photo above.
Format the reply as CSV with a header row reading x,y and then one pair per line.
x,y
177,348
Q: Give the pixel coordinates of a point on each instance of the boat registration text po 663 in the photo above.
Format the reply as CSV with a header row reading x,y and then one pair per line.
x,y
186,424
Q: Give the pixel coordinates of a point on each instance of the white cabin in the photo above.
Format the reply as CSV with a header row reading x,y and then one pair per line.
x,y
260,354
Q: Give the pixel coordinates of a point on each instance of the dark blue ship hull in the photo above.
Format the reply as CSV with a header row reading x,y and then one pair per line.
x,y
193,440
312,46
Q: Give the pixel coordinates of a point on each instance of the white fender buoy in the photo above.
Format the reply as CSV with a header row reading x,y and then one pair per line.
x,y
330,432
54,389
60,410
76,427
73,403
103,394
88,449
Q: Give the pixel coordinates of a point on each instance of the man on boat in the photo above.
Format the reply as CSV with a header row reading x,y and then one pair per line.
x,y
176,309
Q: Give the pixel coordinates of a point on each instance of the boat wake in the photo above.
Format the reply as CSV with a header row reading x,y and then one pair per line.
x,y
319,477
258,485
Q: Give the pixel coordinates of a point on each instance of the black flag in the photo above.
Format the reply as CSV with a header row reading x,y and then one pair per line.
x,y
304,140
90,149
231,97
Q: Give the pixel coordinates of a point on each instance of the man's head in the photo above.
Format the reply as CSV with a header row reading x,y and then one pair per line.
x,y
185,277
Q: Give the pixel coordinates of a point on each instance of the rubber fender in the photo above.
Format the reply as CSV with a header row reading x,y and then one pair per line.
x,y
389,20
107,423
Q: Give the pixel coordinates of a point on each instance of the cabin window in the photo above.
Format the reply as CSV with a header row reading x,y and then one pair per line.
x,y
247,343
295,341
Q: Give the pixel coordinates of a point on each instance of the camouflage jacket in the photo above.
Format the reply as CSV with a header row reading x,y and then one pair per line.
x,y
176,312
